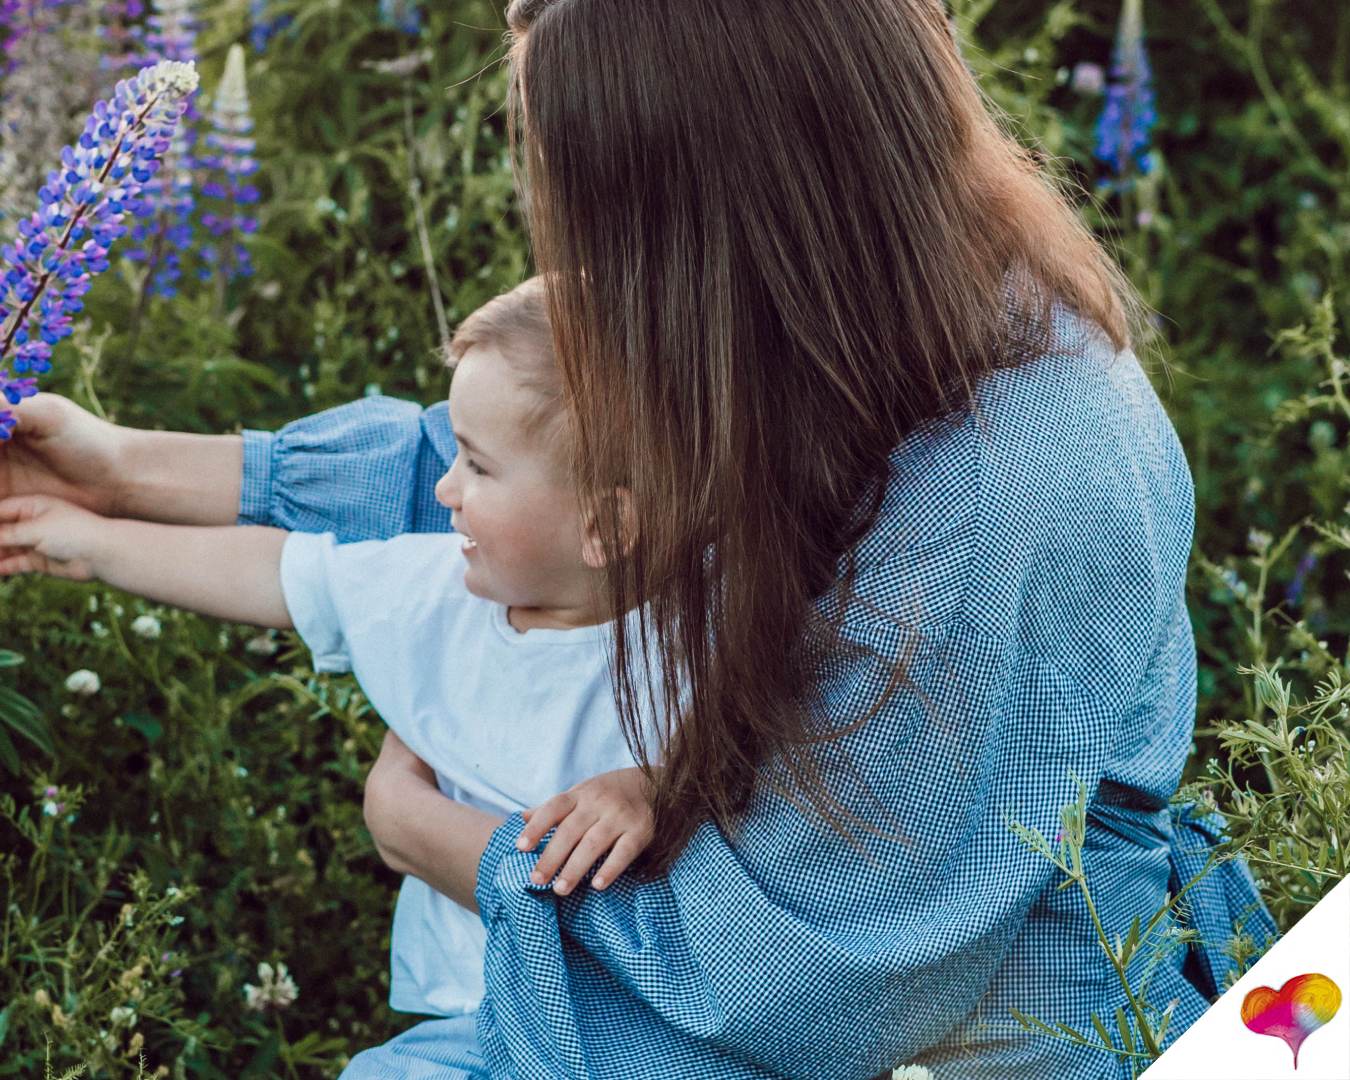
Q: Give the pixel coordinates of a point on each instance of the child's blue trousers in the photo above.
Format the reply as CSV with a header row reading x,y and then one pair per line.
x,y
433,1050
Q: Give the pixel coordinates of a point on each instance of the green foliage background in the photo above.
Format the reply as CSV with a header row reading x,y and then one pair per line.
x,y
234,777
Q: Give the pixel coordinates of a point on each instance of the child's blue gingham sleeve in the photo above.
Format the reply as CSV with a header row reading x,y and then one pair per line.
x,y
362,471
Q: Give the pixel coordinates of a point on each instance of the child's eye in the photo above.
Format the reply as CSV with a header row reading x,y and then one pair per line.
x,y
478,469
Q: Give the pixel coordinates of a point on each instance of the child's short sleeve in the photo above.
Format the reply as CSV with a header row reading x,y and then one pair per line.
x,y
310,584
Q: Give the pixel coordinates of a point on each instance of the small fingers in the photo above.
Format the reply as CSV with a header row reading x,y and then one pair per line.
x,y
544,817
565,837
627,848
594,844
23,562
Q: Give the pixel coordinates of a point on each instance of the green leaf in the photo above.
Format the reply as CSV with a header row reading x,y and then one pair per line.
x,y
1102,1031
25,718
263,1057
148,726
1131,943
10,659
9,757
1071,1033
1126,1036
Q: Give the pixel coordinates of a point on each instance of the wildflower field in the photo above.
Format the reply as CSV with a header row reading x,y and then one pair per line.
x,y
188,887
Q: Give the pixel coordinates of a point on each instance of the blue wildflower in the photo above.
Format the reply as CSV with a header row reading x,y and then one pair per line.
x,y
403,15
1294,593
169,202
263,25
1125,127
47,270
230,157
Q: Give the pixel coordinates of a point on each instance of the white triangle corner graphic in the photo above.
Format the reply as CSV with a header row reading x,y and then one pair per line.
x,y
1219,1046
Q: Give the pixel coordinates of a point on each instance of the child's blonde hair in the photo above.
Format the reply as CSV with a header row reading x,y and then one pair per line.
x,y
517,326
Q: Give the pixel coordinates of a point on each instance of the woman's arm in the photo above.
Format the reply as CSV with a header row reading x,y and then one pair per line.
x,y
60,449
362,471
418,831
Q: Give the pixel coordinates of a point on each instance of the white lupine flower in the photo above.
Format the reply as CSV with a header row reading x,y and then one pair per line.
x,y
84,682
277,992
146,626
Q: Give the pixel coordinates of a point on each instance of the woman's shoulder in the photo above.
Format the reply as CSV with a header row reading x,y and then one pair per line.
x,y
1065,461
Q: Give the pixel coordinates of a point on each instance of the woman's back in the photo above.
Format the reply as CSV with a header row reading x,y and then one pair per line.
x,y
1027,568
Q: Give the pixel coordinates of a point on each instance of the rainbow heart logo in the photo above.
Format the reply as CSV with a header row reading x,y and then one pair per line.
x,y
1295,1011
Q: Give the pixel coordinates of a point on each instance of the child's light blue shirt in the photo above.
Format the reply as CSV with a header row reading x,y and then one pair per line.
x,y
506,719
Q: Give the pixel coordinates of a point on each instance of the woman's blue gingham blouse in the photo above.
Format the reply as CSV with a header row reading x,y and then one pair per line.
x,y
1028,569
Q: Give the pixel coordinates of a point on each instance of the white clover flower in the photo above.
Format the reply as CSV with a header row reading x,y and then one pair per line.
x,y
146,626
911,1072
278,990
262,645
84,682
123,1016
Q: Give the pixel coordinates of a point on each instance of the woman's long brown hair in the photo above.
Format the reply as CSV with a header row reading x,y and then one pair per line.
x,y
780,235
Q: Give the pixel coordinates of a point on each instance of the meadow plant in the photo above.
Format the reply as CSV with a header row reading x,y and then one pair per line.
x,y
1125,129
229,157
49,72
264,23
95,187
166,231
405,15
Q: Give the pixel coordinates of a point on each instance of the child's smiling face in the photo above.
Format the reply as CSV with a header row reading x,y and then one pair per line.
x,y
525,537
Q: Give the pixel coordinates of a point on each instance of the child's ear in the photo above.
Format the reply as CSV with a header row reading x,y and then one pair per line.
x,y
593,548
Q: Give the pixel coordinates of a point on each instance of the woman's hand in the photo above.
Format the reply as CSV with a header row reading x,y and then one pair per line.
x,y
607,813
419,831
58,448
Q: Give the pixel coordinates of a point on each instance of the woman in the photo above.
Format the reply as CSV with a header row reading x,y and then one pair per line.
x,y
923,537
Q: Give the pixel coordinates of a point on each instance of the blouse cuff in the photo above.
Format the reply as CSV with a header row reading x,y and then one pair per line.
x,y
255,488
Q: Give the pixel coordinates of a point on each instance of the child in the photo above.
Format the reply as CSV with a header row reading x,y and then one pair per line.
x,y
484,649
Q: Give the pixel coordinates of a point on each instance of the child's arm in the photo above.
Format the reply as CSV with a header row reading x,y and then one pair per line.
x,y
607,813
419,831
230,572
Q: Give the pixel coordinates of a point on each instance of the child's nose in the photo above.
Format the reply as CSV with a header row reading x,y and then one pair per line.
x,y
447,491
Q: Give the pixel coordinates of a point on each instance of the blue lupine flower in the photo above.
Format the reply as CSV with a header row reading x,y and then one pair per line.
x,y
263,25
169,204
47,269
402,15
1294,594
230,157
173,31
1125,127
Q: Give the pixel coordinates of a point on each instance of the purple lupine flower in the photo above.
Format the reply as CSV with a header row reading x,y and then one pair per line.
x,y
123,36
263,25
403,15
230,157
1125,127
1294,593
173,32
98,183
167,229
18,19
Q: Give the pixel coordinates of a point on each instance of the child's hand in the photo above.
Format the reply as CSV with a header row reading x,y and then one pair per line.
x,y
609,812
45,535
